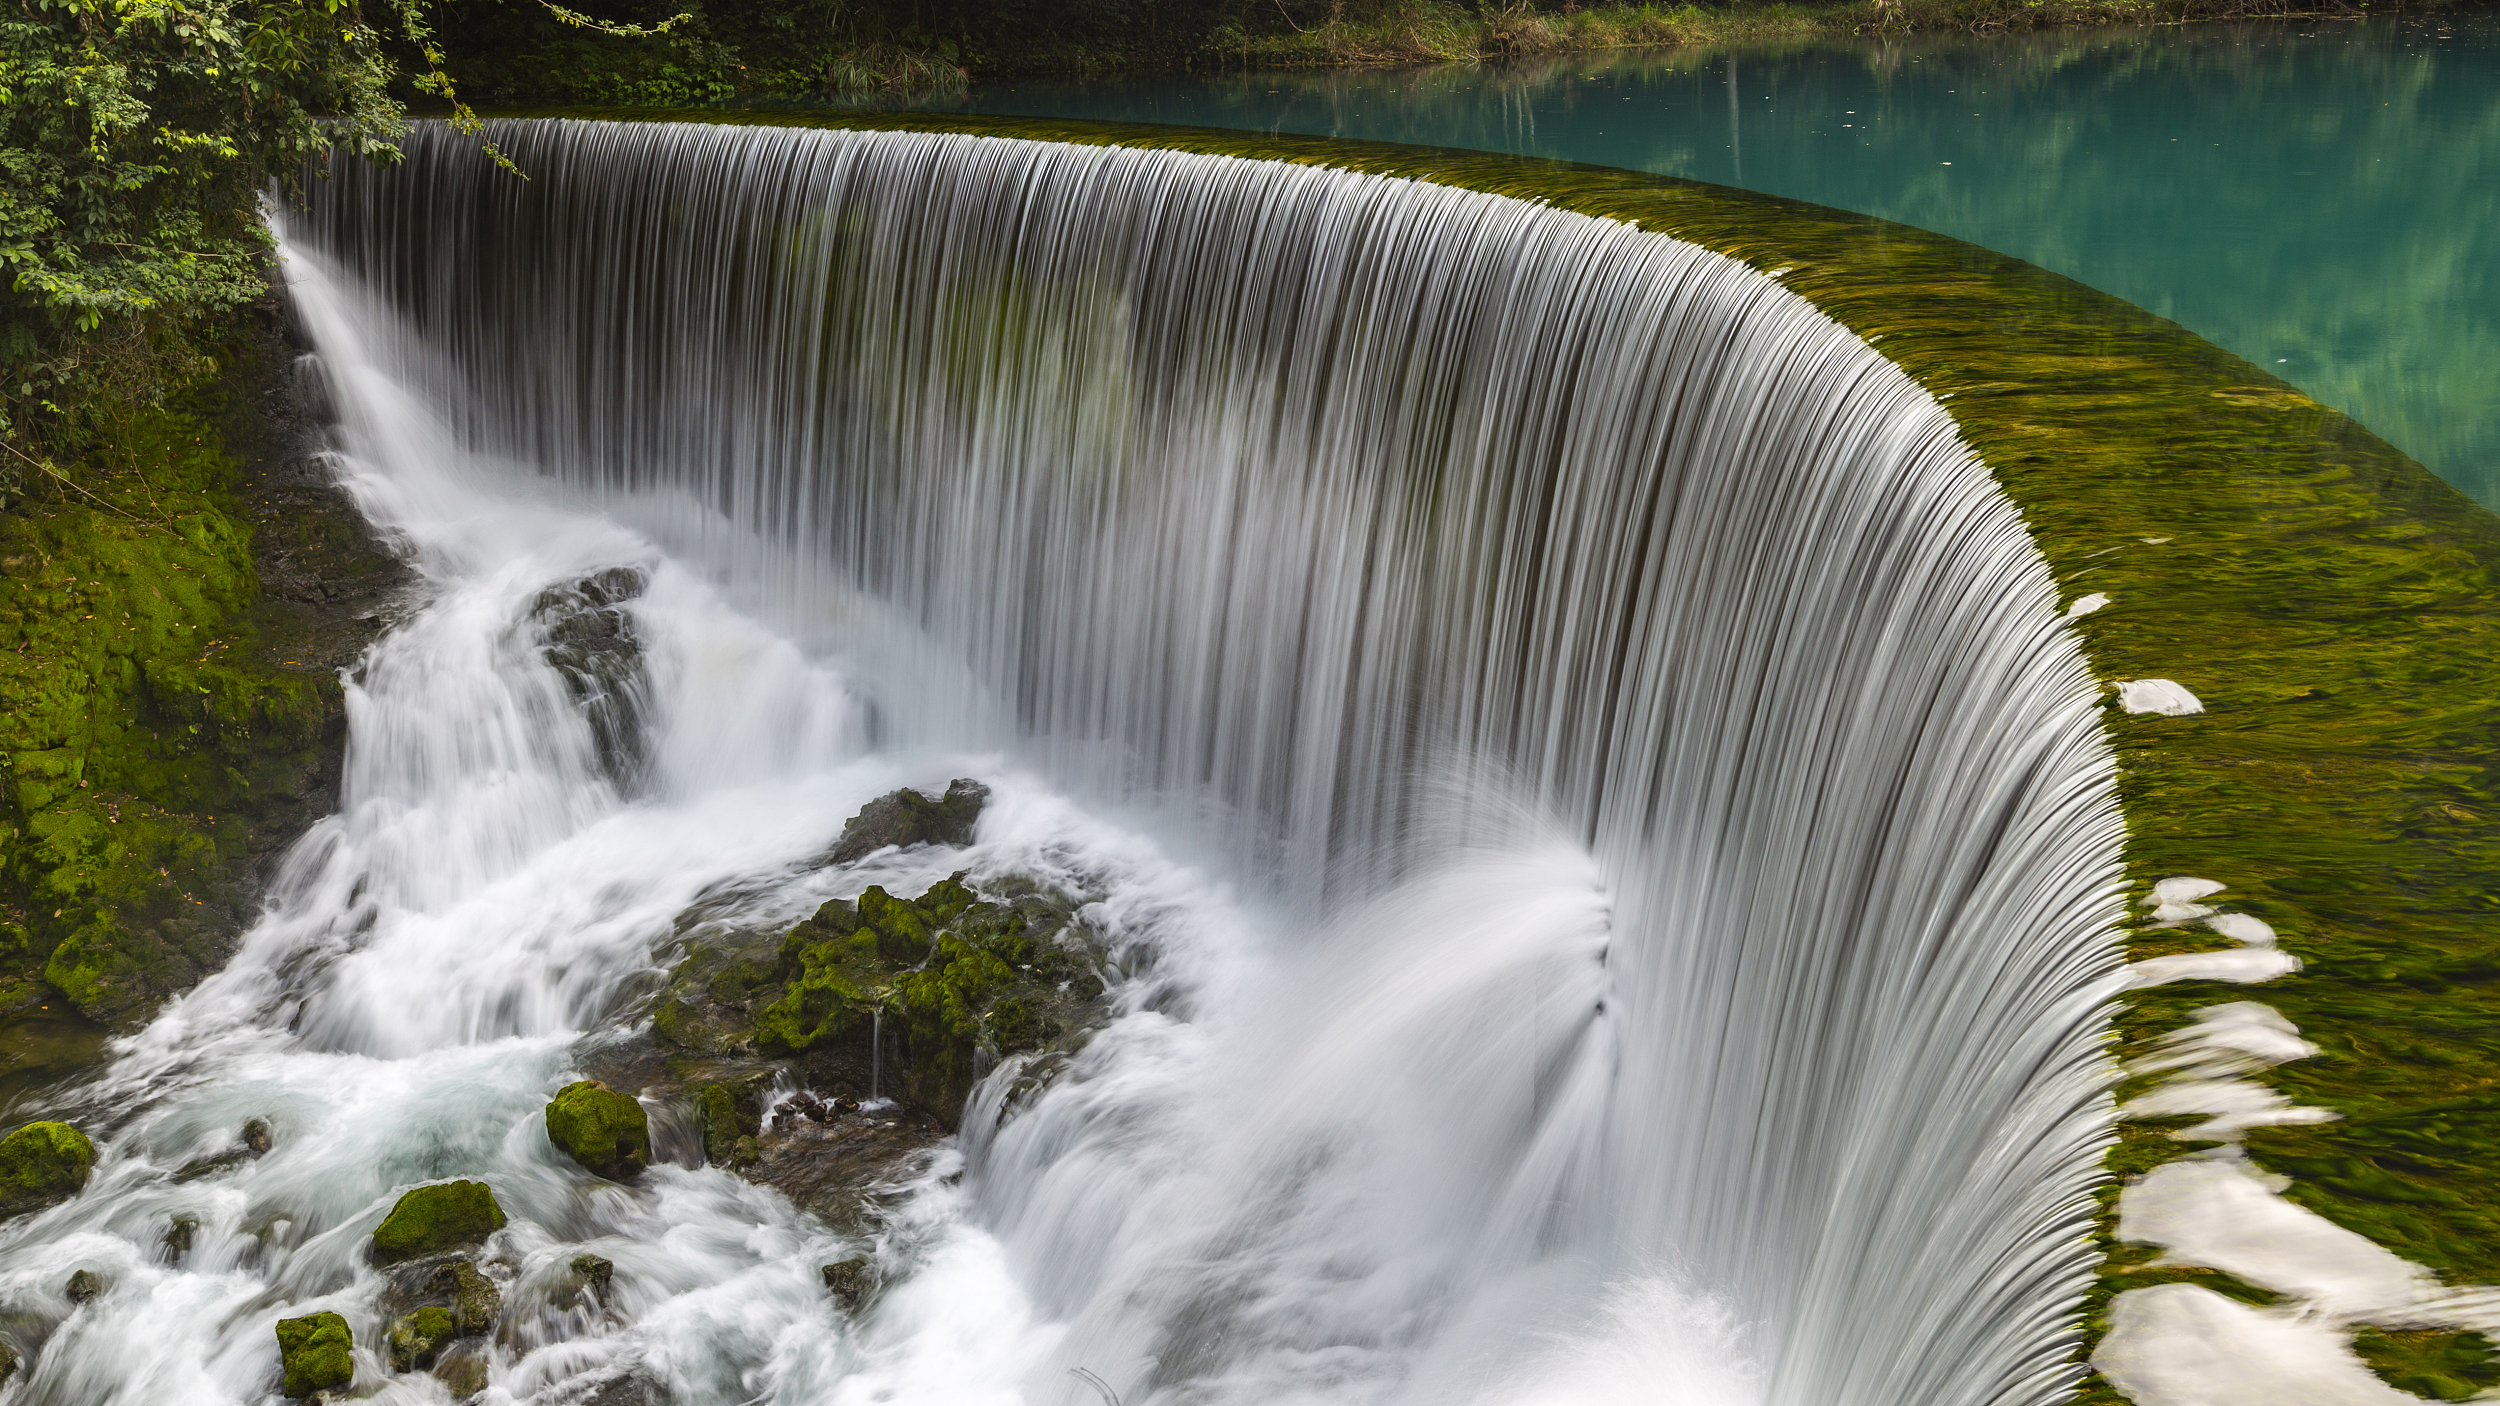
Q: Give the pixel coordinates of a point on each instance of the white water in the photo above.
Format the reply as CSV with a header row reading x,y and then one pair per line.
x,y
1672,842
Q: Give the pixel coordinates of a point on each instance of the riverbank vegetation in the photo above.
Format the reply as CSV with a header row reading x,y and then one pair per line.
x,y
730,52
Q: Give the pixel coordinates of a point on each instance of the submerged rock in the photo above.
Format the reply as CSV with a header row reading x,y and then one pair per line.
x,y
432,1219
419,1338
42,1163
316,1352
474,1298
254,1141
606,1131
85,1286
904,818
463,1374
9,1363
178,1235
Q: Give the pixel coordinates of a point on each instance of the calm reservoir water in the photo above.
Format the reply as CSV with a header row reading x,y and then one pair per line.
x,y
2322,198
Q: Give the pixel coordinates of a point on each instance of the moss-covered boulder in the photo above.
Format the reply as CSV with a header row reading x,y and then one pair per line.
x,y
42,1163
904,818
420,1337
474,1298
729,1125
606,1131
433,1219
317,1352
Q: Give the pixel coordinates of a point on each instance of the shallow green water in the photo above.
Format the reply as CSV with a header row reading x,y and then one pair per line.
x,y
2322,198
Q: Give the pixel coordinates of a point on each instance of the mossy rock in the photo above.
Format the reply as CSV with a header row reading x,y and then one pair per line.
x,y
419,1338
606,1131
474,1298
42,1163
728,1127
317,1352
432,1219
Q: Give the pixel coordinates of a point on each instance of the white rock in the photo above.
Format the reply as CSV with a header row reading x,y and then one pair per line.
x,y
2157,696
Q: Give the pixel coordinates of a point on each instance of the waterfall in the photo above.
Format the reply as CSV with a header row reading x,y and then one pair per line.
x,y
1627,834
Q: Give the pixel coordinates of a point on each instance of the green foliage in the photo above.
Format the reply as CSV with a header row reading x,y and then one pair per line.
x,y
42,1163
135,136
606,1131
317,1352
432,1219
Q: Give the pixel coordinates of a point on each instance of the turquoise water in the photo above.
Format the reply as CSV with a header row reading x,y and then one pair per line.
x,y
2322,198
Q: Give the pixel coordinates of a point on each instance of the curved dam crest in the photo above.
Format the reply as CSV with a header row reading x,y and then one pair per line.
x,y
1612,837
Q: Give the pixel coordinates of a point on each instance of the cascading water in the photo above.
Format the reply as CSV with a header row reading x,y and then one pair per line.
x,y
1648,845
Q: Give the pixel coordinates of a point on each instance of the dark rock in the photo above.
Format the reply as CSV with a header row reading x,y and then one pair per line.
x,y
178,1235
463,1374
432,1219
419,1338
317,1352
593,1274
632,1389
605,1131
85,1286
588,637
474,1298
42,1163
905,818
849,1281
9,1363
728,1128
254,1142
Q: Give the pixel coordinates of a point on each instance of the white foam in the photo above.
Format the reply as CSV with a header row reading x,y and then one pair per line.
x,y
2182,1345
2246,966
2162,696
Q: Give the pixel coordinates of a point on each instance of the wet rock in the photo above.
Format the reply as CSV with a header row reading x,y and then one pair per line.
x,y
592,1275
432,1219
588,637
462,1374
316,1352
42,1163
9,1363
905,818
178,1235
605,1131
728,1128
474,1298
85,1286
420,1337
849,1281
254,1141
632,1389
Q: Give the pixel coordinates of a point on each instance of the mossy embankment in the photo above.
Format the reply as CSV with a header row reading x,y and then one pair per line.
x,y
2334,606
175,603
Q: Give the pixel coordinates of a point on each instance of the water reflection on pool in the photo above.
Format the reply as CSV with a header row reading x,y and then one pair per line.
x,y
2321,197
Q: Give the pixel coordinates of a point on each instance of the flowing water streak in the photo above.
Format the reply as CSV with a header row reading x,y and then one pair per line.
x,y
1361,514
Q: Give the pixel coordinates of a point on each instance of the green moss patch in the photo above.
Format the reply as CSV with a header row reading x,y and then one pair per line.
x,y
2438,1366
432,1219
606,1131
316,1353
420,1337
42,1163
